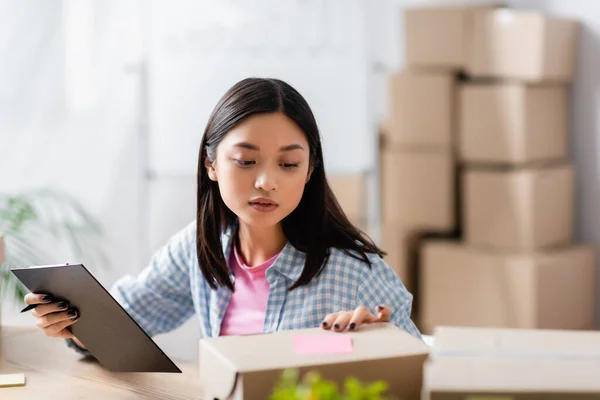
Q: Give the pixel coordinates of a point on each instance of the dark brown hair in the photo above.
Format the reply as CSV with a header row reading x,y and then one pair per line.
x,y
315,226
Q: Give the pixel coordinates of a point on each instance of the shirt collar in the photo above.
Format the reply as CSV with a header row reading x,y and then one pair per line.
x,y
289,263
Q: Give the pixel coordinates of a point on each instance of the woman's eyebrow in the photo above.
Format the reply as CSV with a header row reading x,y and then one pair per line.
x,y
246,145
250,146
291,147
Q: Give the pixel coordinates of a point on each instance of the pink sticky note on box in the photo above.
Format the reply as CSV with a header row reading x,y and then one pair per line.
x,y
339,343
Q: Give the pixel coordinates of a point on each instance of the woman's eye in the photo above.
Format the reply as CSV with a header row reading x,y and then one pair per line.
x,y
244,163
289,166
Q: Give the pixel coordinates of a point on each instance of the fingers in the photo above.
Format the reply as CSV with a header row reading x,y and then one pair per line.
x,y
342,321
353,319
59,330
53,318
46,309
360,316
35,298
384,313
329,320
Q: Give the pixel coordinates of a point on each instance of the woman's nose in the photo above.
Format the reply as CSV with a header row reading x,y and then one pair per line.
x,y
266,181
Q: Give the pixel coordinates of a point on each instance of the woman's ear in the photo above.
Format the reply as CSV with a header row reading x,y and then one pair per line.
x,y
210,168
310,171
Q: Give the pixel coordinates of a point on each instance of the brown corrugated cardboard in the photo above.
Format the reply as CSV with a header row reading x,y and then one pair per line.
x,y
420,110
400,246
437,35
518,209
522,45
466,286
418,189
512,123
516,364
2,249
350,192
247,367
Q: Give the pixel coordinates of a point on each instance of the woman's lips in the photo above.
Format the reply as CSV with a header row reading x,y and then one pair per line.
x,y
263,205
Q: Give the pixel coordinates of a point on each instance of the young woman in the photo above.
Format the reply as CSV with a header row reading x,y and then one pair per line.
x,y
270,248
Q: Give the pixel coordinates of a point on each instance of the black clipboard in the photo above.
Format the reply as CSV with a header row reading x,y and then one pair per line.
x,y
104,327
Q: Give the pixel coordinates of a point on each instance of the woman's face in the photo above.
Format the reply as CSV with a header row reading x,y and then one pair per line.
x,y
261,167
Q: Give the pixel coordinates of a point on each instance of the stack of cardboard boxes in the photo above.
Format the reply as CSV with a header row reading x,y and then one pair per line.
x,y
517,265
476,146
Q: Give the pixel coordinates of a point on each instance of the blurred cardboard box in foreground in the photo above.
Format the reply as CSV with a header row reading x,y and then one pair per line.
x,y
512,364
248,367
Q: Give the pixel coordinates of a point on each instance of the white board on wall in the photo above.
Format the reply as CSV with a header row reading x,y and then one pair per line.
x,y
199,49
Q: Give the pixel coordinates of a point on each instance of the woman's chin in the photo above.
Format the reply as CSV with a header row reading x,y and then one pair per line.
x,y
260,221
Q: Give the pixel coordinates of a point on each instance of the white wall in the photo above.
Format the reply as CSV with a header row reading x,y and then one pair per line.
x,y
85,143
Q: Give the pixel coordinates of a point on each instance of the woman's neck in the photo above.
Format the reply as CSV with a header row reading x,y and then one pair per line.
x,y
257,245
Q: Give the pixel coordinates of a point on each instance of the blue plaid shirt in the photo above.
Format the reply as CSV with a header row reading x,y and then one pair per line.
x,y
172,289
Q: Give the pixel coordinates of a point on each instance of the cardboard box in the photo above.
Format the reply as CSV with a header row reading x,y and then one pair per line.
x,y
401,247
350,191
2,249
518,209
404,255
474,378
514,364
418,189
514,342
420,110
512,123
522,45
466,286
248,367
436,35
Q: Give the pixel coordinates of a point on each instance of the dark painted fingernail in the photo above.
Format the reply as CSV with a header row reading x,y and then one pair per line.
x,y
62,305
74,319
47,299
324,323
337,326
380,308
352,326
71,313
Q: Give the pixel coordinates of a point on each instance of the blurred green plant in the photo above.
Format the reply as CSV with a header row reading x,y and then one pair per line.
x,y
314,387
38,225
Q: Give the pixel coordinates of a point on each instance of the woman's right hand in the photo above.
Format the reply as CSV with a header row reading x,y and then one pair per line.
x,y
53,317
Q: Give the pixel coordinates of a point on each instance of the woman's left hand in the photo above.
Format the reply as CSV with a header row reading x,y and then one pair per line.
x,y
341,320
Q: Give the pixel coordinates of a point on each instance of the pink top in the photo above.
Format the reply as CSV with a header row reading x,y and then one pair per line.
x,y
248,304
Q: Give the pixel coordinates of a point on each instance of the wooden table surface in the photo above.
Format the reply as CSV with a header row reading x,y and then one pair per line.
x,y
52,370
